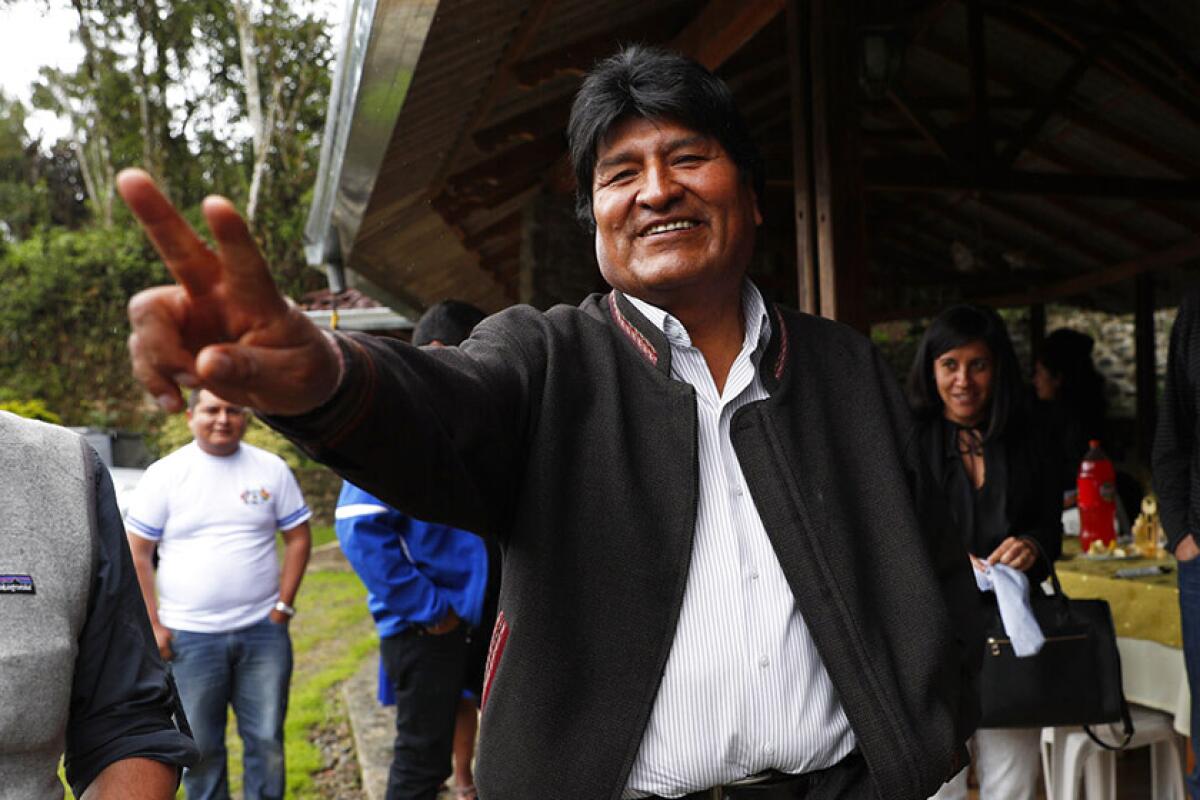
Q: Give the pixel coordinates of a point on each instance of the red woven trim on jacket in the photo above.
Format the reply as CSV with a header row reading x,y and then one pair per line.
x,y
781,359
495,653
639,341
366,397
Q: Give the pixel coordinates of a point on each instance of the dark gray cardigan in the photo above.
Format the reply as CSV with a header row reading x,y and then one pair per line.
x,y
562,435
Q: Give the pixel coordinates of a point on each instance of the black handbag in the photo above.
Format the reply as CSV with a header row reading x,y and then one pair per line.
x,y
1075,679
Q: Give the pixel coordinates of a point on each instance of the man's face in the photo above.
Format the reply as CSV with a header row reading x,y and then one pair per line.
x,y
674,219
217,425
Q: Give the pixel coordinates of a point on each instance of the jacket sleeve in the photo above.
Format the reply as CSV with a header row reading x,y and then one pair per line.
x,y
1174,440
123,701
458,414
371,536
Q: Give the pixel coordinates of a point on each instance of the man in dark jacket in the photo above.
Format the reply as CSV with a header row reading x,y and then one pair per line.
x,y
1177,481
716,579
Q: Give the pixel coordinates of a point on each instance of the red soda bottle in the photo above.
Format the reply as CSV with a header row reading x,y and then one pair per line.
x,y
1097,501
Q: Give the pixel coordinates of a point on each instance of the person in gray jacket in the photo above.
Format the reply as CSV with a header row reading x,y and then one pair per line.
x,y
80,675
721,577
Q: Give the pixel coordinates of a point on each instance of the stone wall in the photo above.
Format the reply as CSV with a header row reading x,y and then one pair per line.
x,y
1114,354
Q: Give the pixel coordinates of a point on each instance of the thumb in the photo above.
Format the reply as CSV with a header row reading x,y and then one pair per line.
x,y
272,380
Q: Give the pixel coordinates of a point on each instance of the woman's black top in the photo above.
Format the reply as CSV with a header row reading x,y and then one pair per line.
x,y
1020,495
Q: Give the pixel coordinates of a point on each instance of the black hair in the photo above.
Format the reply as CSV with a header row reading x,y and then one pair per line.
x,y
1067,355
448,322
955,327
654,84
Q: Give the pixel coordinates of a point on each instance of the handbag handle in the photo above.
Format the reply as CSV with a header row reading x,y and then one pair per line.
x,y
1126,718
1037,546
1126,724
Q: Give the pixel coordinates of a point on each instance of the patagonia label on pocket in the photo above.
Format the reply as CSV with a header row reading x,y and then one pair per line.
x,y
16,584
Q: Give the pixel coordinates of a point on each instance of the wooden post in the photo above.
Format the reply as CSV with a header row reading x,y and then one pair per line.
x,y
800,74
837,161
1147,385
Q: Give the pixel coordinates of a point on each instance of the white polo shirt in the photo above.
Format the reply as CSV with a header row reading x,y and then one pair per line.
x,y
215,518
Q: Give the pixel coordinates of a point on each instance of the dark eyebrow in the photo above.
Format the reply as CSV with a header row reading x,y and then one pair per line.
x,y
626,156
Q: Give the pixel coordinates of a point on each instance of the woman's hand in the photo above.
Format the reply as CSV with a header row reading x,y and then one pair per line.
x,y
1014,552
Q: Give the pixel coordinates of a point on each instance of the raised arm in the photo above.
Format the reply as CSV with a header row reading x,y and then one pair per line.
x,y
225,327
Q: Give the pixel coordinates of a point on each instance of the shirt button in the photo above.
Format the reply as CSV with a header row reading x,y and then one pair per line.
x,y
753,574
737,490
764,662
769,750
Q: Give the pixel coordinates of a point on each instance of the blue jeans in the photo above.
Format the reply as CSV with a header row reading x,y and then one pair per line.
x,y
1189,617
249,668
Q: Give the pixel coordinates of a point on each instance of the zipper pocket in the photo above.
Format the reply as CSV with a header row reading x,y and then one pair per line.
x,y
994,643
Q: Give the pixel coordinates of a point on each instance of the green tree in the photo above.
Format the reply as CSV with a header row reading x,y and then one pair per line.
x,y
62,321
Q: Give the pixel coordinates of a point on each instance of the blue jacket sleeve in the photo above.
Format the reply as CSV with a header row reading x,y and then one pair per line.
x,y
370,533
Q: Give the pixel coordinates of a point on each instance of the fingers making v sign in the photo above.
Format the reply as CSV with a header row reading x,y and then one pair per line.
x,y
224,326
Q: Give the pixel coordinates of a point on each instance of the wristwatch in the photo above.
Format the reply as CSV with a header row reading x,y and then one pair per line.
x,y
285,609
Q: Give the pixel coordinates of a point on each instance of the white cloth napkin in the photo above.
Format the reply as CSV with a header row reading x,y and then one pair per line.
x,y
1012,595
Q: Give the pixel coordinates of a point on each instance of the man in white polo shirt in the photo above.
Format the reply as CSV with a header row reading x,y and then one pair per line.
x,y
222,605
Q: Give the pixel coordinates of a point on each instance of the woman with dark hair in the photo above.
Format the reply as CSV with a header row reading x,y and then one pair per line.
x,y
1071,395
1000,490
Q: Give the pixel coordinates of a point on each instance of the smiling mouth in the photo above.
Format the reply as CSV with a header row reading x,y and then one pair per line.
x,y
667,227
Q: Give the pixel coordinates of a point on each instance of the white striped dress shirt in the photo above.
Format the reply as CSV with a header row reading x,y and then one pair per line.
x,y
744,689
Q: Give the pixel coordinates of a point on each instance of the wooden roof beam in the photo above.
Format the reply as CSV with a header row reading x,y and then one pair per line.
x,y
529,157
576,58
1038,225
1034,22
1065,86
1167,42
1163,259
501,228
1092,123
532,124
518,43
925,125
1075,209
931,175
723,28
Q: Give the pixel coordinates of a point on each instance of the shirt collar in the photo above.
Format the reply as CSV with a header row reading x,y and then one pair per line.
x,y
754,311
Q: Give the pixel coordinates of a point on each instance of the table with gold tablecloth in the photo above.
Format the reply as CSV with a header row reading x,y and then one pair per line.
x,y
1146,615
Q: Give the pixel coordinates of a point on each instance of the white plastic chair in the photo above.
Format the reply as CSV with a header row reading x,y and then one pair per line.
x,y
1070,758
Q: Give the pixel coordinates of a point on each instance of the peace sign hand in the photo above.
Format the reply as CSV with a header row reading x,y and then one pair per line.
x,y
225,327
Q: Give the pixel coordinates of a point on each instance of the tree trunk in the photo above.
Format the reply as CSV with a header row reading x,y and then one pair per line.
x,y
261,121
88,122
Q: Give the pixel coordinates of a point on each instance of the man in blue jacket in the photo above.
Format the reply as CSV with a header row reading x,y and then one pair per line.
x,y
426,586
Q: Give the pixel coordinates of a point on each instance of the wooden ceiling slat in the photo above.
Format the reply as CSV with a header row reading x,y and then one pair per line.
x,y
533,124
723,27
520,41
575,58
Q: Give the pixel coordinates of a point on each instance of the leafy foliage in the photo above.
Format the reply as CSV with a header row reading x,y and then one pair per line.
x,y
31,409
162,85
62,320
